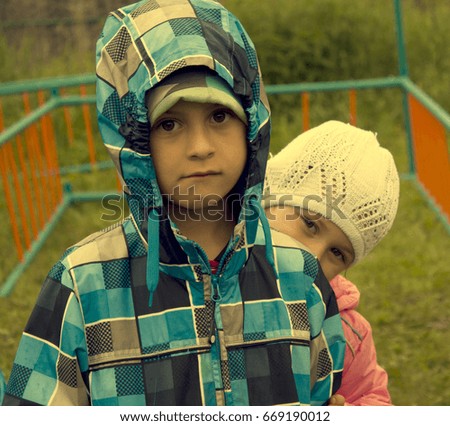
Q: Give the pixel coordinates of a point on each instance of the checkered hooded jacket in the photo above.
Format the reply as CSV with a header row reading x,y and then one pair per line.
x,y
133,315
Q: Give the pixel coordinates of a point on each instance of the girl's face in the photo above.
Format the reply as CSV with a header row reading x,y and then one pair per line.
x,y
322,237
199,151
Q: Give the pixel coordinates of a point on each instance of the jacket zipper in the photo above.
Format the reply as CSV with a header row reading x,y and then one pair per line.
x,y
215,298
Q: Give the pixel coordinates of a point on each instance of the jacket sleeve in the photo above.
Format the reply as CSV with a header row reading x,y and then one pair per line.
x,y
2,386
364,382
51,360
327,341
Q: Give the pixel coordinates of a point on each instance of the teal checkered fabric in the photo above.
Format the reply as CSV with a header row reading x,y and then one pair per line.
x,y
2,386
93,339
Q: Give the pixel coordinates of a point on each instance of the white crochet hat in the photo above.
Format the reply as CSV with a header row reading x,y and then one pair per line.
x,y
342,173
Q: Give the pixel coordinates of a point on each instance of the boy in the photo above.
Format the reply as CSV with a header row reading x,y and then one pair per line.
x,y
334,189
186,302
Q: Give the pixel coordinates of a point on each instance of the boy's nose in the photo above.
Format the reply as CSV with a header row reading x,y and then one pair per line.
x,y
200,144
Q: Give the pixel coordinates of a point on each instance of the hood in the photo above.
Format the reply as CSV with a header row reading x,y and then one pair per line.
x,y
347,294
140,45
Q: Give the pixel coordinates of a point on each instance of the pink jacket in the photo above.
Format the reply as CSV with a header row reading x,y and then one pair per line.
x,y
364,382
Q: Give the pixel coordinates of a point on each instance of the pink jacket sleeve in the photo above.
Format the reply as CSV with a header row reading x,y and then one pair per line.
x,y
364,382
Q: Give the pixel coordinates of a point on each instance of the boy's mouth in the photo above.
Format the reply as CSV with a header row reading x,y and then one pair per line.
x,y
202,174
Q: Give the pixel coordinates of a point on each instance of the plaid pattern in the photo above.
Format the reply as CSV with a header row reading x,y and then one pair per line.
x,y
93,342
90,335
2,386
243,337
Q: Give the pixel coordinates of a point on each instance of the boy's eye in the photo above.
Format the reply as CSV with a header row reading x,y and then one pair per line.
x,y
220,116
167,125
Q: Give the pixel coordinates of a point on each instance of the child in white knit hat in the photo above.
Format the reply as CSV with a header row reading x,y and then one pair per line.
x,y
336,190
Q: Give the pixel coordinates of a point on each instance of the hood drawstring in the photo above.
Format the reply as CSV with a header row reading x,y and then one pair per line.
x,y
153,223
152,275
253,202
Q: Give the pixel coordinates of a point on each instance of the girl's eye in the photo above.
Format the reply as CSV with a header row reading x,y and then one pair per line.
x,y
309,223
336,252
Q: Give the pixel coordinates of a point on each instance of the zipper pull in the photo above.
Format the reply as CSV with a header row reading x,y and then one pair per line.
x,y
212,326
215,298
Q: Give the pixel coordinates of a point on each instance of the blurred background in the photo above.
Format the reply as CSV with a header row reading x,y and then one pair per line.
x,y
404,283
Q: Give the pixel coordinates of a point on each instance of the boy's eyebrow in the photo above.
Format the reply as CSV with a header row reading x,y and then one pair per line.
x,y
175,108
172,110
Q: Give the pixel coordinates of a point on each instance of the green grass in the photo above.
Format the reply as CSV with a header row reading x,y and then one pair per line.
x,y
405,294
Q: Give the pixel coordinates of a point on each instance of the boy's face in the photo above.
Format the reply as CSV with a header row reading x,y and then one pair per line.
x,y
199,151
322,237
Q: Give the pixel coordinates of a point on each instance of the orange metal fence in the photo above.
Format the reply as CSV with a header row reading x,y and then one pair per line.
x,y
306,102
431,154
30,160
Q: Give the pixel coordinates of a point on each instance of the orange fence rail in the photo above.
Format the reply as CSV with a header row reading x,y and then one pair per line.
x,y
306,102
32,165
31,181
431,154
